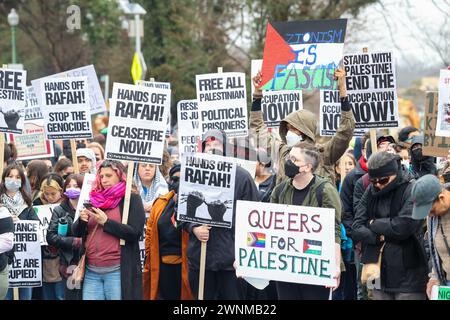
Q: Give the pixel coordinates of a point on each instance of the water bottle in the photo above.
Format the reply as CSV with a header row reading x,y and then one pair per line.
x,y
62,226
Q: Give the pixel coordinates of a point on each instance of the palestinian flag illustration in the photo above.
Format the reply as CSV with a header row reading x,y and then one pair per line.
x,y
312,247
256,239
302,55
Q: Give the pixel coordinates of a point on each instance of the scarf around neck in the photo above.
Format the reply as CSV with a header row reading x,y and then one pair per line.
x,y
108,198
15,205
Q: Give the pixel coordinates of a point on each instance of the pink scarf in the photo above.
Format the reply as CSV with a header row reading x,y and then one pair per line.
x,y
108,198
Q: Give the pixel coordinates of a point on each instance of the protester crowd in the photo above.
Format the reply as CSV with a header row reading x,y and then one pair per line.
x,y
392,209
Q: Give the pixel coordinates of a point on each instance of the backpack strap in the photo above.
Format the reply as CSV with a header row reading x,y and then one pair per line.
x,y
365,181
280,189
319,193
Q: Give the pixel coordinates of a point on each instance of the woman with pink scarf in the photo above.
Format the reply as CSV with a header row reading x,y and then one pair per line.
x,y
113,272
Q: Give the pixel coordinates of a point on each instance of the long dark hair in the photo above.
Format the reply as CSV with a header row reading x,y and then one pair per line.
x,y
26,197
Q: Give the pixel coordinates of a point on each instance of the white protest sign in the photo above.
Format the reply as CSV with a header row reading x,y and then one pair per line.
x,y
440,293
371,87
443,116
96,100
285,243
26,270
256,65
206,194
276,105
248,165
32,144
88,182
330,114
32,108
137,123
12,100
222,103
44,214
189,134
65,105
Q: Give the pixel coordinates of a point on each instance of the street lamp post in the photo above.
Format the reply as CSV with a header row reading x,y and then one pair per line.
x,y
13,20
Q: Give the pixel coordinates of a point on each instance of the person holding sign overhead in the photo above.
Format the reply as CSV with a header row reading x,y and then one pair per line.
x,y
305,188
113,272
302,125
18,202
220,277
432,201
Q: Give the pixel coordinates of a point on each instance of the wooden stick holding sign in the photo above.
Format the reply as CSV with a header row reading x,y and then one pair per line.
x,y
201,280
373,132
73,148
2,164
129,183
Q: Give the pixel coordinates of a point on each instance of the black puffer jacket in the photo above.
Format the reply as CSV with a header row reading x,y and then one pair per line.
x,y
348,214
404,267
69,255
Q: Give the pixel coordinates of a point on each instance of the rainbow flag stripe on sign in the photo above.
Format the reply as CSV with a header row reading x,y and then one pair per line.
x,y
256,239
312,247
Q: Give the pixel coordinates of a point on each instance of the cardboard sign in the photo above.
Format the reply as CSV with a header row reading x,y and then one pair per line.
x,y
222,103
443,117
302,55
44,214
433,145
65,104
206,193
12,100
26,270
137,123
330,114
276,105
371,87
96,100
285,243
88,182
189,134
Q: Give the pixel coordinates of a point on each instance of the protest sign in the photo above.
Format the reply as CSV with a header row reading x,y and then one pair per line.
x,y
256,65
96,100
440,293
330,114
371,88
276,105
302,55
65,105
32,108
44,214
88,182
443,116
285,243
189,134
12,100
26,270
433,145
222,103
137,123
206,193
248,165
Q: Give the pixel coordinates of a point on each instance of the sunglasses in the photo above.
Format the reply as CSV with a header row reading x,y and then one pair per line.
x,y
380,181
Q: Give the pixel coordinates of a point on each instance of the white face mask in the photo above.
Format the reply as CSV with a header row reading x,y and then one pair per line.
x,y
292,139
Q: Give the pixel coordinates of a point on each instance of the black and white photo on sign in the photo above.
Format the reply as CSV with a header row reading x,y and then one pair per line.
x,y
276,105
371,87
12,100
222,103
66,108
189,133
137,123
32,109
330,114
206,193
26,269
96,100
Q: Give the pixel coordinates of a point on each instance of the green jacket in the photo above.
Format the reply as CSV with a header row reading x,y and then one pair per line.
x,y
306,122
330,199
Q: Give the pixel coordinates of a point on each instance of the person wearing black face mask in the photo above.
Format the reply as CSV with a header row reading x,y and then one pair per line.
x,y
165,268
421,164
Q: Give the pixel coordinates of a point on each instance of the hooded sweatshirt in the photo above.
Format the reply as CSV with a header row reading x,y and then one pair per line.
x,y
307,123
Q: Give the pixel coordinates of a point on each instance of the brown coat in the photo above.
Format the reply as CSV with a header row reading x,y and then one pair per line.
x,y
151,267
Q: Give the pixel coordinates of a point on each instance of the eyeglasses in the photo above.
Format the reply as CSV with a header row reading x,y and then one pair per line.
x,y
380,181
